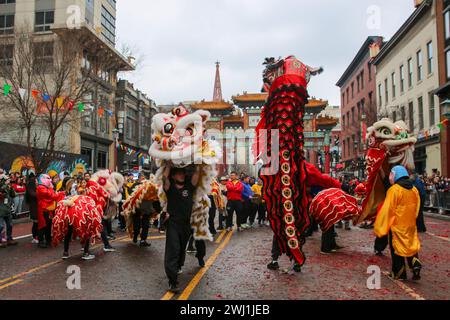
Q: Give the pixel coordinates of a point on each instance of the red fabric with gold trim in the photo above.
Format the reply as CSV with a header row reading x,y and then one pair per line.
x,y
82,214
98,194
331,206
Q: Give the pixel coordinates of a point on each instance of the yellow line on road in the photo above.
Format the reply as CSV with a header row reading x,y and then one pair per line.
x,y
169,295
219,238
405,288
442,238
41,267
149,238
195,281
10,284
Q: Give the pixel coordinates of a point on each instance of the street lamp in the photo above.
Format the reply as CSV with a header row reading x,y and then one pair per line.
x,y
115,133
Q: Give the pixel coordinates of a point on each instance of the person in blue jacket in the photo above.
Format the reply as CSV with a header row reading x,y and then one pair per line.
x,y
247,195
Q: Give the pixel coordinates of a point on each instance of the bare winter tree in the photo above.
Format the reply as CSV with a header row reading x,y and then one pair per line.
x,y
47,83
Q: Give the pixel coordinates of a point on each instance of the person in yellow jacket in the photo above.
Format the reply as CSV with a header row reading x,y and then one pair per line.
x,y
397,218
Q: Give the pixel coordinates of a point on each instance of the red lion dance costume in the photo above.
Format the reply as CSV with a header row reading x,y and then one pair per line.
x,y
390,144
285,190
85,213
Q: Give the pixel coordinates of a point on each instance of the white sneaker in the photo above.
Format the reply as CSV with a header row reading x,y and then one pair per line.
x,y
35,241
180,271
88,256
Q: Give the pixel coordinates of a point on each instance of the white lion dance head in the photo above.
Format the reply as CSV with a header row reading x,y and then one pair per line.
x,y
179,138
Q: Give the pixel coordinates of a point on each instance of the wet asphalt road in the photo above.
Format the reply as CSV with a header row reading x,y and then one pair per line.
x,y
236,269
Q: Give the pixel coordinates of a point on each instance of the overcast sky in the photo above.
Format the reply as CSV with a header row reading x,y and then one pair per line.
x,y
180,40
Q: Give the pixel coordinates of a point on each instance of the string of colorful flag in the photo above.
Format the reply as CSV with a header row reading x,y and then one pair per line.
x,y
140,154
81,107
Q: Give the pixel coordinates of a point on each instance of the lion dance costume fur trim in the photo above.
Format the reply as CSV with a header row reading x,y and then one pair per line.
x,y
147,191
85,213
389,145
180,139
285,191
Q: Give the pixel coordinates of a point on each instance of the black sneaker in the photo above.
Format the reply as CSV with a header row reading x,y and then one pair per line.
x,y
273,265
201,262
297,268
173,287
144,243
65,256
42,245
416,274
378,253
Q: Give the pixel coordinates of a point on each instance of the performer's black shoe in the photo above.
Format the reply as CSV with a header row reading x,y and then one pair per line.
x,y
297,267
337,247
135,240
144,243
201,262
42,245
378,253
417,267
338,225
173,287
273,265
65,256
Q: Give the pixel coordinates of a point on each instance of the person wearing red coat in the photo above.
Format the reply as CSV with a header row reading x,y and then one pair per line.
x,y
234,204
47,199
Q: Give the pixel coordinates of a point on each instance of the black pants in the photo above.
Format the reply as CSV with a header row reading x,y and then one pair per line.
x,y
104,234
232,207
34,230
252,209
381,244
276,252
398,262
420,222
212,216
68,238
141,222
262,213
177,238
222,218
46,232
328,240
246,208
200,247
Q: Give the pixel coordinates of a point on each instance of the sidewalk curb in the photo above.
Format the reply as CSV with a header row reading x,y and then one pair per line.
x,y
437,216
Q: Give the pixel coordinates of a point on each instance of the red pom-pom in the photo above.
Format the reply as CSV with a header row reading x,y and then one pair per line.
x,y
102,181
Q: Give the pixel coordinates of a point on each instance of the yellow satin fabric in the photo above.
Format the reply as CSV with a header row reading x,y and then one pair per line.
x,y
398,214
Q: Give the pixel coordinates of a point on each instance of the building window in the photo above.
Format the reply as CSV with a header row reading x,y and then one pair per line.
x,y
402,79
108,26
343,122
343,99
6,24
353,115
447,63
6,58
419,65
102,160
380,100
411,116
132,124
7,1
386,91
430,57
88,153
420,106
369,69
349,96
89,14
394,116
410,73
362,80
43,56
403,113
353,90
393,85
358,78
43,20
447,24
432,108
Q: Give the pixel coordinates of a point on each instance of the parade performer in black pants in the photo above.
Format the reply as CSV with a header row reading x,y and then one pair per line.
x,y
179,193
